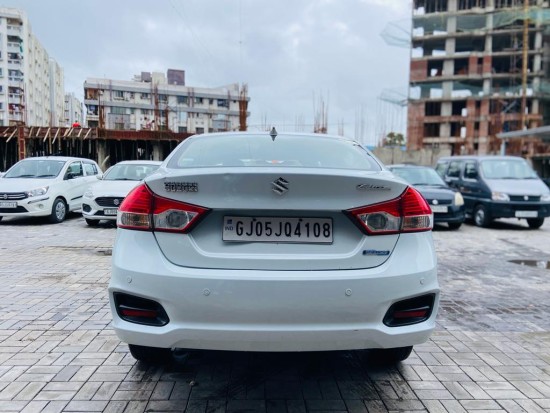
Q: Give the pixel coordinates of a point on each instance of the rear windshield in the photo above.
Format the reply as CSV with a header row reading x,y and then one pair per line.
x,y
507,169
261,151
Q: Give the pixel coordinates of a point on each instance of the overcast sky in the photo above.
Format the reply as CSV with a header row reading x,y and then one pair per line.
x,y
291,53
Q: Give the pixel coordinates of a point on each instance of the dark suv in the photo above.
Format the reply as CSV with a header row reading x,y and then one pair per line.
x,y
497,187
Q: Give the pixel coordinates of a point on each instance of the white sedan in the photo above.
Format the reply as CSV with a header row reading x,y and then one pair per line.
x,y
273,242
48,186
102,199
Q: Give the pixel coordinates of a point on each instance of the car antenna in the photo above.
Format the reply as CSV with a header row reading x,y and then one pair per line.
x,y
273,133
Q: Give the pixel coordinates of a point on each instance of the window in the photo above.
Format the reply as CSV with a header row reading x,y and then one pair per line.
x,y
75,170
163,98
198,100
223,103
119,94
182,100
470,170
118,110
454,169
119,125
144,95
90,169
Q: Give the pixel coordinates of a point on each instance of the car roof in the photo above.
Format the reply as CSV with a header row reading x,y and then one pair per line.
x,y
144,162
477,157
404,165
267,133
57,158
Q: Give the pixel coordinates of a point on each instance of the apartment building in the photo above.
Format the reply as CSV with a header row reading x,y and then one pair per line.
x,y
31,83
155,101
74,112
478,68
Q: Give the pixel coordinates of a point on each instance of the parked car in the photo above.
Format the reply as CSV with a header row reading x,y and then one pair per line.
x,y
273,242
497,187
446,203
102,199
46,186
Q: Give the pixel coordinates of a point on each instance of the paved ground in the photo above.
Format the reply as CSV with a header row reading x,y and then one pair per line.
x,y
490,353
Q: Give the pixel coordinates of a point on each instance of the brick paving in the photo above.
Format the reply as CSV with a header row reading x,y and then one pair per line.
x,y
490,352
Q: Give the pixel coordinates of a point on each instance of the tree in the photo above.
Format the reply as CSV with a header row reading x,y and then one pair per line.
x,y
394,139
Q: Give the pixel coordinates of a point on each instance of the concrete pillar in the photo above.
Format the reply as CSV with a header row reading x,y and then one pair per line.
x,y
157,152
102,159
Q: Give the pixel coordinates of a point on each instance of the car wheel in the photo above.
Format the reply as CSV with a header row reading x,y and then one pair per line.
x,y
59,211
481,216
455,225
150,354
92,222
389,356
535,222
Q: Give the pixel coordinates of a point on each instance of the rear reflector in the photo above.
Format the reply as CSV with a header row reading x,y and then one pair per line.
x,y
140,310
407,213
411,311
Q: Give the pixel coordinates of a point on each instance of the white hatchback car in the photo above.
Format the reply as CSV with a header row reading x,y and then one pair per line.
x,y
102,199
46,186
273,242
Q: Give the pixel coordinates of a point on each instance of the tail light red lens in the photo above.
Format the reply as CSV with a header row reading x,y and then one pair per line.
x,y
407,213
145,211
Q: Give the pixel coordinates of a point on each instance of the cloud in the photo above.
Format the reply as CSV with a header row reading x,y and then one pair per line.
x,y
286,51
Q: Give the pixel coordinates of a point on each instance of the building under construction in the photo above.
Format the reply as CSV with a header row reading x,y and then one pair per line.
x,y
106,146
478,68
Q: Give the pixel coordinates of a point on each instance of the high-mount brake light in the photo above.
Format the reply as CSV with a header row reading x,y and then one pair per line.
x,y
407,213
145,211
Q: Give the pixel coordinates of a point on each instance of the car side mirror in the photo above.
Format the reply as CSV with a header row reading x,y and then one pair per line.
x,y
99,177
69,175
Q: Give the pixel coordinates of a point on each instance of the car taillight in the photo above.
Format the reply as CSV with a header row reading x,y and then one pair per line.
x,y
145,211
407,213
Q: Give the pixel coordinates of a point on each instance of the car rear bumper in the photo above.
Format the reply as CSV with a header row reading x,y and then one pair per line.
x,y
273,310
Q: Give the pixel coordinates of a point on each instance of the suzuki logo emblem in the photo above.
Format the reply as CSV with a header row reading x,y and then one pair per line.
x,y
279,186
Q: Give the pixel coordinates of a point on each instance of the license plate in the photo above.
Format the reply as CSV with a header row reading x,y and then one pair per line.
x,y
439,208
110,211
4,204
277,229
527,214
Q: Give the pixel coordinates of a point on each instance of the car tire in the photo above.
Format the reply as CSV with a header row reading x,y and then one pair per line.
x,y
535,223
388,356
454,225
59,211
92,222
150,354
481,216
